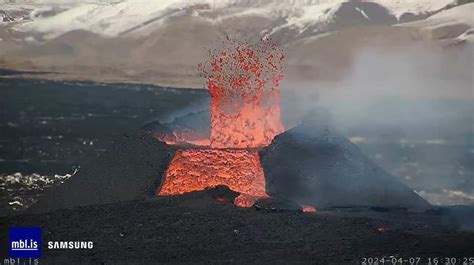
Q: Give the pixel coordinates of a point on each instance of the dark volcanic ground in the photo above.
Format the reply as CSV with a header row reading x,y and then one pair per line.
x,y
195,229
50,127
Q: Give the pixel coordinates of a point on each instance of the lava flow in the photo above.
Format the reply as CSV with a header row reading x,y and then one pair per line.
x,y
198,169
245,115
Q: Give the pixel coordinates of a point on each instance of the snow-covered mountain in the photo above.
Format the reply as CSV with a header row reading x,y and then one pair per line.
x,y
162,41
454,25
115,18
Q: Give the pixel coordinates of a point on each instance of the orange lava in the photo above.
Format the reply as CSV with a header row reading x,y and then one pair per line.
x,y
198,169
245,201
243,83
308,209
245,101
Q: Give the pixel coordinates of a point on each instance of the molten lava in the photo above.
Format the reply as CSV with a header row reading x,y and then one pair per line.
x,y
198,169
245,113
245,101
308,209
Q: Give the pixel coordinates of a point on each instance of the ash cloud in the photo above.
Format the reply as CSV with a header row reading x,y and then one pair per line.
x,y
409,109
389,88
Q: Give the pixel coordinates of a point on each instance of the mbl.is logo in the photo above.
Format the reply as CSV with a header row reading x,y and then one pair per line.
x,y
25,242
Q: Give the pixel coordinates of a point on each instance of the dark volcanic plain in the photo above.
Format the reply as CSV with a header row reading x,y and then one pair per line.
x,y
48,127
193,228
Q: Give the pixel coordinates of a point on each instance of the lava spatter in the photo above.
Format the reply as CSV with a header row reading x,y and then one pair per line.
x,y
245,100
243,83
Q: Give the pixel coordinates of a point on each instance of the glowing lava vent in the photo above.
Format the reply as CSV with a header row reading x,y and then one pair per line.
x,y
243,83
198,169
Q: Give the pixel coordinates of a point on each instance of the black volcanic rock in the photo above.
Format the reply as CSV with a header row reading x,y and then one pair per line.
x,y
312,165
131,169
194,229
357,13
196,122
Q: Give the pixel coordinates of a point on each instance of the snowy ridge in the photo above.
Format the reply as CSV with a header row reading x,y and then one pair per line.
x,y
398,7
113,18
463,14
457,22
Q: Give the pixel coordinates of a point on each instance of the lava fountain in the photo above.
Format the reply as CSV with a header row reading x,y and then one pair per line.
x,y
245,99
243,81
